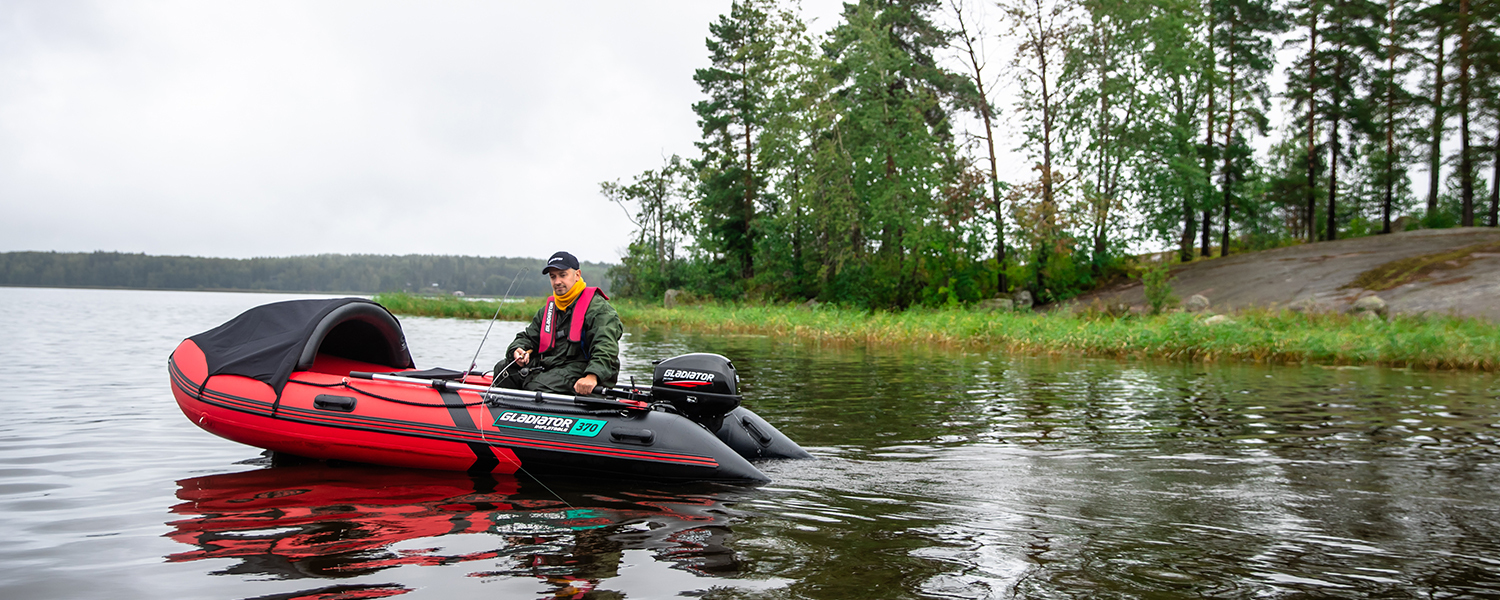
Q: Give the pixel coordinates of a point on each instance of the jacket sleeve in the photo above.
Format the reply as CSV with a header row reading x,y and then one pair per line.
x,y
604,357
528,339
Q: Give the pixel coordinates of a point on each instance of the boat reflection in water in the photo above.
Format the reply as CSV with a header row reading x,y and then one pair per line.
x,y
342,522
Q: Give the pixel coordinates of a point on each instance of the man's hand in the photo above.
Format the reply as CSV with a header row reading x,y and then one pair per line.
x,y
586,385
521,356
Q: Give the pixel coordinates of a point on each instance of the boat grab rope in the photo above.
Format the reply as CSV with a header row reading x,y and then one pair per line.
x,y
410,403
345,384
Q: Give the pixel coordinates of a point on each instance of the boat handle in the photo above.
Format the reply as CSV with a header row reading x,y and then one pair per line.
x,y
331,402
642,436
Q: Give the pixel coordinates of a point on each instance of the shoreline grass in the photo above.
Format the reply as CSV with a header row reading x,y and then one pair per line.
x,y
1267,336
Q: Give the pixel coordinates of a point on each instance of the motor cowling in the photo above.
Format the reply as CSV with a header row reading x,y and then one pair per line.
x,y
702,386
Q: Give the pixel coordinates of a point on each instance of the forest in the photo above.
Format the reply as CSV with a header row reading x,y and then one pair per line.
x,y
862,165
333,273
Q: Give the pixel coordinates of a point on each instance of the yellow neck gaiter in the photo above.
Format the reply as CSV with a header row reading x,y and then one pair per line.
x,y
566,300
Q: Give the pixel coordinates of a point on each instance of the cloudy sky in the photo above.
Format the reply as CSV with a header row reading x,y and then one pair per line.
x,y
280,128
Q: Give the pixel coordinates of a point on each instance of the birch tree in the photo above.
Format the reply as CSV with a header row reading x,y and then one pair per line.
x,y
1043,30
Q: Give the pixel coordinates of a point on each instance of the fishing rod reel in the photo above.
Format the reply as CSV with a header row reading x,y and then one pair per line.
x,y
700,386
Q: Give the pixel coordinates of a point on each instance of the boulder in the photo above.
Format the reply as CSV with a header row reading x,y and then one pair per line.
x,y
1196,303
1218,320
1023,300
1370,304
809,305
1403,223
1302,306
1000,304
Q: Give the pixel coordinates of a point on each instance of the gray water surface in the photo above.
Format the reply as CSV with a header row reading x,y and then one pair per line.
x,y
938,475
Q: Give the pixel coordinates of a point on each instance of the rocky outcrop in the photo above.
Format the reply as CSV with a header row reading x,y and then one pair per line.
x,y
1322,276
1218,320
1370,305
1023,300
999,304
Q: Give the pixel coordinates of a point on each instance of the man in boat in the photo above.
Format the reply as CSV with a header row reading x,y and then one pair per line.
x,y
573,343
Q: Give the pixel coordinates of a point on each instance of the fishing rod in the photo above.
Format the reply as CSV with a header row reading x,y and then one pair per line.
x,y
446,385
475,362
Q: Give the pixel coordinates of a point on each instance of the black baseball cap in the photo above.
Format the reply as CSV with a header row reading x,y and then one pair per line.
x,y
561,261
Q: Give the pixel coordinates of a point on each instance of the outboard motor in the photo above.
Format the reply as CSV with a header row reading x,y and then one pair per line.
x,y
705,388
701,386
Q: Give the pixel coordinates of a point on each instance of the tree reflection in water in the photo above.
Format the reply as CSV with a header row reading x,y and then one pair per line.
x,y
339,522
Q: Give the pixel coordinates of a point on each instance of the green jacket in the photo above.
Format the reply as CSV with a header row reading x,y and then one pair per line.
x,y
567,362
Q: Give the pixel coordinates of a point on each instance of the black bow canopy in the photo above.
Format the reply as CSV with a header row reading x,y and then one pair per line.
x,y
271,341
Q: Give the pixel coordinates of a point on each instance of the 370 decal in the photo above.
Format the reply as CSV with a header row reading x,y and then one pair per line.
x,y
549,423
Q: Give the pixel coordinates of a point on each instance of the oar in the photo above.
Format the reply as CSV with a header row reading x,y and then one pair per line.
x,y
446,385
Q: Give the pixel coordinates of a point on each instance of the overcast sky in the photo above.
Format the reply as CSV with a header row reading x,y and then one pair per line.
x,y
240,129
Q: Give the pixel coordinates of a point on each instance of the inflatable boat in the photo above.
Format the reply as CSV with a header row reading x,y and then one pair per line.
x,y
333,379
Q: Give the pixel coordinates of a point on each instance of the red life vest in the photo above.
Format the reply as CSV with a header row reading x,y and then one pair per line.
x,y
575,327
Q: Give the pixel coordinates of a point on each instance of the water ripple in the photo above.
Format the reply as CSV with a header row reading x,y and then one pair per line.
x,y
940,474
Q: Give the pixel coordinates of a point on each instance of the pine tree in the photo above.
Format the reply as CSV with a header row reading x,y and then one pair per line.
x,y
1487,70
1208,152
1244,29
1388,91
1466,166
1180,60
732,119
789,248
1353,37
1435,21
898,136
1306,83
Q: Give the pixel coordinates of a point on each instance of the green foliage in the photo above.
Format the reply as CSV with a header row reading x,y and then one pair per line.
x,y
1435,342
830,167
332,273
1156,278
663,220
1442,218
518,309
732,185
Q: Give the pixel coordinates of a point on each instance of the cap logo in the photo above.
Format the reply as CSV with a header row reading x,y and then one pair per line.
x,y
561,261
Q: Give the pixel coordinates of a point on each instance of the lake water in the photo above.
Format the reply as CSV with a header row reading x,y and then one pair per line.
x,y
939,474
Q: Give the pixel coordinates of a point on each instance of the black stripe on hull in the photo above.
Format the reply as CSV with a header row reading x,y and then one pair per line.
x,y
541,451
485,460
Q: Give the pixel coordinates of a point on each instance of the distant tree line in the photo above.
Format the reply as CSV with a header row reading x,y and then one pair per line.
x,y
860,166
335,273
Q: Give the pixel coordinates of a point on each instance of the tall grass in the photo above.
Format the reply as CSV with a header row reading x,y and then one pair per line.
x,y
459,308
1280,336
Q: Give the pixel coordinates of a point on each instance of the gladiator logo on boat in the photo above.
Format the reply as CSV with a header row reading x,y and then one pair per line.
x,y
691,375
549,423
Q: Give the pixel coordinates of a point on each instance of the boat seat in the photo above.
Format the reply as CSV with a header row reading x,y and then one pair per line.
x,y
435,373
358,332
340,366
